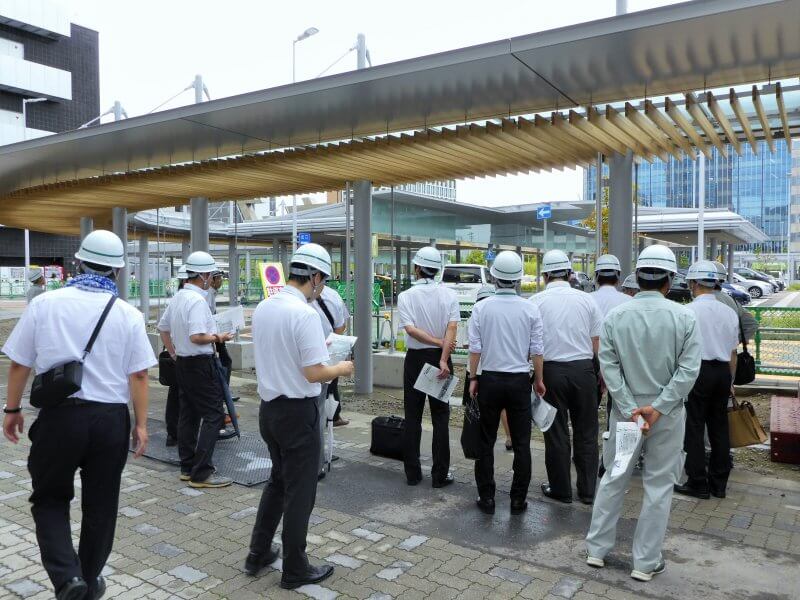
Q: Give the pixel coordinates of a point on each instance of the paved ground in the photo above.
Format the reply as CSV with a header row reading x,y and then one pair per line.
x,y
388,540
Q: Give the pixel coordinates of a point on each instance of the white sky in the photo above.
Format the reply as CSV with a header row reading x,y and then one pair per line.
x,y
150,50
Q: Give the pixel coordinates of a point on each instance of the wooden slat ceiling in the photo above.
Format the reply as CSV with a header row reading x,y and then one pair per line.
x,y
510,146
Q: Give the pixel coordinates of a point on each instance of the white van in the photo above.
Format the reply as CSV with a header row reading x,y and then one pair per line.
x,y
465,280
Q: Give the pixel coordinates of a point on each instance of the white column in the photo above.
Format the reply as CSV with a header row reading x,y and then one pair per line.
x,y
144,275
362,206
701,206
119,219
620,209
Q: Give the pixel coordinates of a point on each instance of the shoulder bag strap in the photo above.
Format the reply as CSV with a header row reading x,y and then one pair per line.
x,y
97,327
326,310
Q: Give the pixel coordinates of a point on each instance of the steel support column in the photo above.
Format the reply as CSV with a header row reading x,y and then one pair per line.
x,y
144,275
362,212
730,262
186,249
233,273
199,224
620,209
119,224
714,249
87,226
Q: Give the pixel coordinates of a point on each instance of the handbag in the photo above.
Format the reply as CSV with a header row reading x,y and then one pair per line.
x,y
471,432
166,369
54,386
744,428
745,363
387,437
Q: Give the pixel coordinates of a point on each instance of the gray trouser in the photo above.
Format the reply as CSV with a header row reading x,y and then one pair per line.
x,y
663,464
323,423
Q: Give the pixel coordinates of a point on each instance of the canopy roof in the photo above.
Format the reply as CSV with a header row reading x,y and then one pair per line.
x,y
679,226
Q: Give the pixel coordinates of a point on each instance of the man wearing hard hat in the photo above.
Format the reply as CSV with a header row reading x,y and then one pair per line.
x,y
36,279
607,272
81,324
649,356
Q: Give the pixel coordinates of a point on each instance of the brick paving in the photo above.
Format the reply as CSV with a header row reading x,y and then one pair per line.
x,y
176,542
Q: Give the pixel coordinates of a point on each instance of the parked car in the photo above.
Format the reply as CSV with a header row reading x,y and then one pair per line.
x,y
736,292
756,288
679,291
748,273
777,276
465,280
581,281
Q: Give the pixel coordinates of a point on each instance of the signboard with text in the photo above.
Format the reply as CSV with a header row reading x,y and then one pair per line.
x,y
544,212
272,280
303,238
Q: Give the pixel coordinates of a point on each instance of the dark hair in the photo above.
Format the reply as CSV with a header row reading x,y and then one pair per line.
x,y
552,277
607,279
299,279
181,283
95,269
427,272
649,285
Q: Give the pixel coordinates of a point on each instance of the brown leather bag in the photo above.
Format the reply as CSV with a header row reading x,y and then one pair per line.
x,y
743,426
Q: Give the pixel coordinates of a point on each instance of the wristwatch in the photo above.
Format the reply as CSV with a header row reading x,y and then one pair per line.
x,y
11,411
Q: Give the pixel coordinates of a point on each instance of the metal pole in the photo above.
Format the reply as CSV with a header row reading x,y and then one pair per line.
x,y
26,281
701,205
635,208
144,275
87,226
544,241
346,260
620,221
361,51
730,263
622,7
598,206
788,228
199,206
119,220
362,206
233,273
394,282
294,49
294,223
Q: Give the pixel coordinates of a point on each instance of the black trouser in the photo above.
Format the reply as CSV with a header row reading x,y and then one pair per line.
x,y
290,428
512,392
414,404
572,390
333,388
201,408
708,407
173,410
91,436
225,360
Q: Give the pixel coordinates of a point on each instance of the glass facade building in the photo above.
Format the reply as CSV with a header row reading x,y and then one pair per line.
x,y
755,186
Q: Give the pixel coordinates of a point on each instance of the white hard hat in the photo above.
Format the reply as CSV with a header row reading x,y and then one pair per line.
x,y
507,266
704,272
556,261
200,262
182,272
35,274
428,258
485,292
630,282
607,265
102,247
313,256
657,258
722,272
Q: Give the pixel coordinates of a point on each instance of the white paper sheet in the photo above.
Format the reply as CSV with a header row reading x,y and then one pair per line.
x,y
231,320
340,347
429,383
627,440
542,413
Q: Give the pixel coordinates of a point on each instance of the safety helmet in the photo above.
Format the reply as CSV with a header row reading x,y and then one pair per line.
x,y
182,272
630,282
507,266
722,272
703,272
485,292
102,247
428,258
200,262
656,262
556,262
314,257
607,265
35,274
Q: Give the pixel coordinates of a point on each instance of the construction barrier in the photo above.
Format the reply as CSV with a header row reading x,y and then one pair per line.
x,y
777,342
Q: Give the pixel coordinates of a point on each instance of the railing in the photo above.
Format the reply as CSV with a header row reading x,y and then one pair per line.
x,y
777,342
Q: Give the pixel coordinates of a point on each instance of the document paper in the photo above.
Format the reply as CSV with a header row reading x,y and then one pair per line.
x,y
230,321
429,383
542,413
340,347
628,437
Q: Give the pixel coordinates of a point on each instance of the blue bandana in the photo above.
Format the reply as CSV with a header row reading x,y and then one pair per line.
x,y
94,283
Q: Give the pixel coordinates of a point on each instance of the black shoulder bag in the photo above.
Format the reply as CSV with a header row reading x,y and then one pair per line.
x,y
52,387
745,363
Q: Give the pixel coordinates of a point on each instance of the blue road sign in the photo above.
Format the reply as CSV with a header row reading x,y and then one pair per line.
x,y
544,212
490,255
303,238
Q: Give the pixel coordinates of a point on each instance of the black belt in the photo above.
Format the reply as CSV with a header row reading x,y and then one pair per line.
x,y
196,357
716,363
424,350
505,374
285,398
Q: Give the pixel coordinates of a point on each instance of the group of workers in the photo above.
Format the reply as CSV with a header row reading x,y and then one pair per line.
x,y
666,367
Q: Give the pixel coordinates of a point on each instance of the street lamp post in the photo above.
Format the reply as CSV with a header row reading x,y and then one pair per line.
x,y
305,35
25,102
789,272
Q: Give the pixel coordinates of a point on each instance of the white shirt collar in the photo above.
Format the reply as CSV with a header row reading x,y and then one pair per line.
x,y
193,288
505,292
555,284
424,281
289,289
706,297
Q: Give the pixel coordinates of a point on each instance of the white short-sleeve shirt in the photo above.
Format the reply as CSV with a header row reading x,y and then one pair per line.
x,y
429,306
718,325
56,327
608,297
571,319
336,306
187,315
287,337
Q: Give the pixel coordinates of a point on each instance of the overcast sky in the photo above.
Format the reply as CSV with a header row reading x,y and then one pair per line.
x,y
150,50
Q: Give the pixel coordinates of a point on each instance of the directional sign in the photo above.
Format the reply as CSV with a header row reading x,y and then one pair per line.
x,y
303,238
544,212
490,255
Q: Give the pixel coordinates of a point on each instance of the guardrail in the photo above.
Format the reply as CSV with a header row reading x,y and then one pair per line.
x,y
777,342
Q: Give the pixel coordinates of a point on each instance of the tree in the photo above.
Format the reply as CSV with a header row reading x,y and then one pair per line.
x,y
590,222
476,257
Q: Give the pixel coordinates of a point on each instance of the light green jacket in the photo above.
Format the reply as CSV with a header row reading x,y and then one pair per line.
x,y
650,353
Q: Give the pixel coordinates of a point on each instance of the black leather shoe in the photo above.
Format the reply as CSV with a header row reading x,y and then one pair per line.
x,y
99,589
171,441
413,480
235,398
688,490
448,479
313,575
549,494
486,505
717,493
255,562
518,506
589,500
321,476
74,589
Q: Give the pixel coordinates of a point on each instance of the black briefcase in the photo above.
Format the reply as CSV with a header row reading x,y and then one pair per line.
x,y
166,369
387,437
